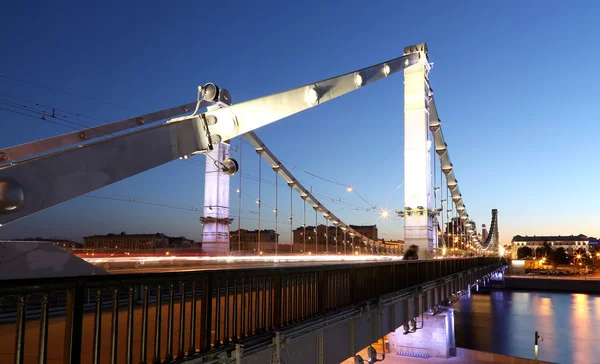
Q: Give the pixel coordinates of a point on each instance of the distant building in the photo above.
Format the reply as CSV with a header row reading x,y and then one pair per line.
x,y
67,244
134,242
327,238
593,244
181,242
394,244
570,243
247,240
455,234
63,243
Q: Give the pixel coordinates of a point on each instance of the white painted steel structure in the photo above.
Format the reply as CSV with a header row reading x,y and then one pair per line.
x,y
41,174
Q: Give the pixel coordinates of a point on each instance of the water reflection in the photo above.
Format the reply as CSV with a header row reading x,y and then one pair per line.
x,y
504,322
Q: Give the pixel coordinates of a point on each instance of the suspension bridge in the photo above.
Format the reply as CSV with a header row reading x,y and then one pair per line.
x,y
249,315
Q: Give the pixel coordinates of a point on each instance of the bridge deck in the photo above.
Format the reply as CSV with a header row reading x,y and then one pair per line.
x,y
231,307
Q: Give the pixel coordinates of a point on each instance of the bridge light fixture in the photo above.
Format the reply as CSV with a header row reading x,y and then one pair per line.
x,y
384,214
312,96
386,69
358,80
349,189
210,92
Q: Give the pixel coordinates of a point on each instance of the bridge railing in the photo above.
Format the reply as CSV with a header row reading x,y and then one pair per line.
x,y
160,317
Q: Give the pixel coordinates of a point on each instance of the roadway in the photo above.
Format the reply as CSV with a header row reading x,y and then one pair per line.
x,y
134,265
204,267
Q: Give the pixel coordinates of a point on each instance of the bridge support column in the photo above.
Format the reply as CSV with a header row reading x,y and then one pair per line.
x,y
435,339
418,225
216,222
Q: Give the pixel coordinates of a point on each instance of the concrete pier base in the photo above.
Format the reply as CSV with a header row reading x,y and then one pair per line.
x,y
435,338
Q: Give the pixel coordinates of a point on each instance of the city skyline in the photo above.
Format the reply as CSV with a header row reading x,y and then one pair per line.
x,y
512,109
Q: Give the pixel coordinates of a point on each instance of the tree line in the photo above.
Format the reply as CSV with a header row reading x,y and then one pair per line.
x,y
553,256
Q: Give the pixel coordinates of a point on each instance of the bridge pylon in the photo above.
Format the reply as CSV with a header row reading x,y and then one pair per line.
x,y
216,223
418,226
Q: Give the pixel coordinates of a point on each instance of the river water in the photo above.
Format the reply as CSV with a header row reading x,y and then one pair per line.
x,y
505,322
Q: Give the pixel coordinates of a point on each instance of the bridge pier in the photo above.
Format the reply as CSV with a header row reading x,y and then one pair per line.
x,y
435,338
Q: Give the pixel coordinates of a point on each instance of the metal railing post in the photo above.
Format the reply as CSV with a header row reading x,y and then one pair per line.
x,y
73,326
43,351
20,331
277,301
322,292
206,314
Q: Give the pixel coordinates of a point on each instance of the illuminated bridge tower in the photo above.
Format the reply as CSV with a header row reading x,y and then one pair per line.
x,y
496,235
418,223
216,222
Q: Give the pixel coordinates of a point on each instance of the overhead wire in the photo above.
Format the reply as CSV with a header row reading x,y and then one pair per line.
x,y
38,118
87,117
45,115
158,204
68,93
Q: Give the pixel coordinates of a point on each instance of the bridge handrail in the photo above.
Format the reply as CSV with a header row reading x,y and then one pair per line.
x,y
235,296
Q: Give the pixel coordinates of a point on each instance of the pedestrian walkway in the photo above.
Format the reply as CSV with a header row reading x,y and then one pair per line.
x,y
463,356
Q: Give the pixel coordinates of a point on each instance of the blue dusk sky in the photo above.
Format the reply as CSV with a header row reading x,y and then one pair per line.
x,y
515,82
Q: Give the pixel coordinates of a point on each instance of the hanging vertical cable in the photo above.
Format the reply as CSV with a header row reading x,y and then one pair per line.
x,y
304,226
442,207
316,234
258,201
448,210
276,210
437,223
335,239
240,203
453,225
326,235
291,220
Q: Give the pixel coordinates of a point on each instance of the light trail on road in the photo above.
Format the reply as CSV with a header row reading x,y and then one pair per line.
x,y
163,264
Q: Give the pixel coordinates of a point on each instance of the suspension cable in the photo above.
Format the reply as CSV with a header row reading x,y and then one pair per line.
x,y
276,211
240,203
442,207
304,225
316,230
336,239
437,223
326,235
291,220
259,201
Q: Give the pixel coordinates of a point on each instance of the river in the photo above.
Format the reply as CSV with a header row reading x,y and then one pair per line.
x,y
504,322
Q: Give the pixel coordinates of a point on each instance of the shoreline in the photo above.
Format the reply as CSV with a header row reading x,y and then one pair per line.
x,y
563,284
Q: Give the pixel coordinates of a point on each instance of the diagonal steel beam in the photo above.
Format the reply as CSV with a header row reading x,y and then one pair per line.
x,y
18,152
35,184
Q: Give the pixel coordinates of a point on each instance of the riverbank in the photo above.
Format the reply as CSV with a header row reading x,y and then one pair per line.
x,y
576,284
